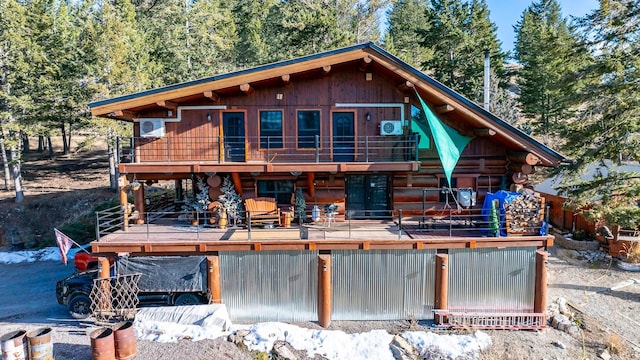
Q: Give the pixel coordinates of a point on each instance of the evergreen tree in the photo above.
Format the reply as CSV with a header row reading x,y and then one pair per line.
x,y
606,131
250,16
458,33
544,46
17,50
402,38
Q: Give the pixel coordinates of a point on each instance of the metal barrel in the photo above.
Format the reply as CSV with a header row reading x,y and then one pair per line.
x,y
102,346
14,345
40,345
125,340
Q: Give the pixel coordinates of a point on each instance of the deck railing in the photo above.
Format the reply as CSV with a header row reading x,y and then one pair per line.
x,y
381,224
269,149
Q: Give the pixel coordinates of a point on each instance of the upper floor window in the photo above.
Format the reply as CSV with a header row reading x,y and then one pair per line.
x,y
308,128
271,129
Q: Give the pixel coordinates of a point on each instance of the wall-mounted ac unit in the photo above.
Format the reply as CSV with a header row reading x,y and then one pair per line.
x,y
391,127
152,128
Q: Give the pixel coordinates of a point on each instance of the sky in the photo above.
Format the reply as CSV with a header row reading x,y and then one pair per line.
x,y
506,13
199,322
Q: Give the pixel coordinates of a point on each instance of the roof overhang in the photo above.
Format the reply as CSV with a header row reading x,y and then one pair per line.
x,y
121,107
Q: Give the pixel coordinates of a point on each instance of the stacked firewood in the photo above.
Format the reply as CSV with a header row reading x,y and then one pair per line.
x,y
524,215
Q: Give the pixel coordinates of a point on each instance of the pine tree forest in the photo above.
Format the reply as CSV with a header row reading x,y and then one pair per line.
x,y
570,83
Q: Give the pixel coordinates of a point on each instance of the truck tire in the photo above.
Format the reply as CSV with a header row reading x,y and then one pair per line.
x,y
79,306
187,299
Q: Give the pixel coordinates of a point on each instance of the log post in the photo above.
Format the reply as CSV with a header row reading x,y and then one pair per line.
x,y
124,201
105,273
441,301
523,157
324,290
138,199
213,279
540,297
523,168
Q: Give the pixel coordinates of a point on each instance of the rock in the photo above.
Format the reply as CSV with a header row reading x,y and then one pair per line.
x,y
402,350
604,355
559,344
282,352
562,306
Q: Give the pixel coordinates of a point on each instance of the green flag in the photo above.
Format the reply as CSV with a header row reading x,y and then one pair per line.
x,y
449,142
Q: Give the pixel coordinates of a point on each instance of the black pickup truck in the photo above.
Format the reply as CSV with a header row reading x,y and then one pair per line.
x,y
163,281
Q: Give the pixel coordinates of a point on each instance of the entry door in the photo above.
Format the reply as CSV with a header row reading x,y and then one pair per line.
x,y
234,140
343,136
368,196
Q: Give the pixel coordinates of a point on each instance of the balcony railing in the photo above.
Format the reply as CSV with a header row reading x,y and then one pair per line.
x,y
379,224
272,149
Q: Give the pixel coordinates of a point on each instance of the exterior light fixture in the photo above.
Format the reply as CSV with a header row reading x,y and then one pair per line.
x,y
208,116
368,116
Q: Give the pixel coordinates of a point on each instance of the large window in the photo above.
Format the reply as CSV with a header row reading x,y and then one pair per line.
x,y
281,190
271,129
308,128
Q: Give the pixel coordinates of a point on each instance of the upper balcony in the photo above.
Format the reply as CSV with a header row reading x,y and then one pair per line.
x,y
271,154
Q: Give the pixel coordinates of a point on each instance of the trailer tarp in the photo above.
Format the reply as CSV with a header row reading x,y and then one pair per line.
x,y
166,273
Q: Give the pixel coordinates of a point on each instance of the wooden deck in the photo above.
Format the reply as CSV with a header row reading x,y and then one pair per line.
x,y
165,238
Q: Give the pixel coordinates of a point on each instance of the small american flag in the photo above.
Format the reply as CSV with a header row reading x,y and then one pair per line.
x,y
64,244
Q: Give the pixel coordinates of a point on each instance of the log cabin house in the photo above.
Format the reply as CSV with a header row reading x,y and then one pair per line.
x,y
347,128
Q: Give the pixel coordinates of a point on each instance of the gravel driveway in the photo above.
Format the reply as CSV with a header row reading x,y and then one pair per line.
x,y
27,295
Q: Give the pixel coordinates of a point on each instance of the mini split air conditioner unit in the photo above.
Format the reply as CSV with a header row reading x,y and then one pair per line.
x,y
391,127
152,128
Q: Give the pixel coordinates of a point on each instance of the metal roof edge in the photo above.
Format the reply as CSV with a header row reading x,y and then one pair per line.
x,y
229,75
561,158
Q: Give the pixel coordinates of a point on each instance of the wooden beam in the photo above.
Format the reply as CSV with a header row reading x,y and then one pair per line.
x,y
246,88
213,279
484,132
138,199
128,114
326,69
407,85
441,299
525,169
364,64
124,201
237,184
311,179
540,295
324,290
286,79
210,94
168,105
444,109
523,157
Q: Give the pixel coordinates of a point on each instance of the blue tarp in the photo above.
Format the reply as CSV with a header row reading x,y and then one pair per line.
x,y
503,197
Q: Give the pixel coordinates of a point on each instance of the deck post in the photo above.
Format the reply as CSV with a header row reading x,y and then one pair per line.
x,y
213,280
124,202
138,198
540,297
324,290
104,303
441,301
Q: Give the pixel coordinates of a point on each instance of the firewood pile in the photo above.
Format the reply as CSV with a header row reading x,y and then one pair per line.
x,y
524,215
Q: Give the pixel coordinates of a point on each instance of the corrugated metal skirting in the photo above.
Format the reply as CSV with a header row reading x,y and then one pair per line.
x,y
492,280
383,284
270,285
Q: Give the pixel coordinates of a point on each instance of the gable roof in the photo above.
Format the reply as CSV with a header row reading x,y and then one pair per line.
x,y
423,83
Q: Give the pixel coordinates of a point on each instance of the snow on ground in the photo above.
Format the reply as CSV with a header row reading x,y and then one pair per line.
x,y
331,344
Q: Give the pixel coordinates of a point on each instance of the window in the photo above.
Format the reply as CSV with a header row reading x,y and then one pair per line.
x,y
308,128
271,129
281,190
